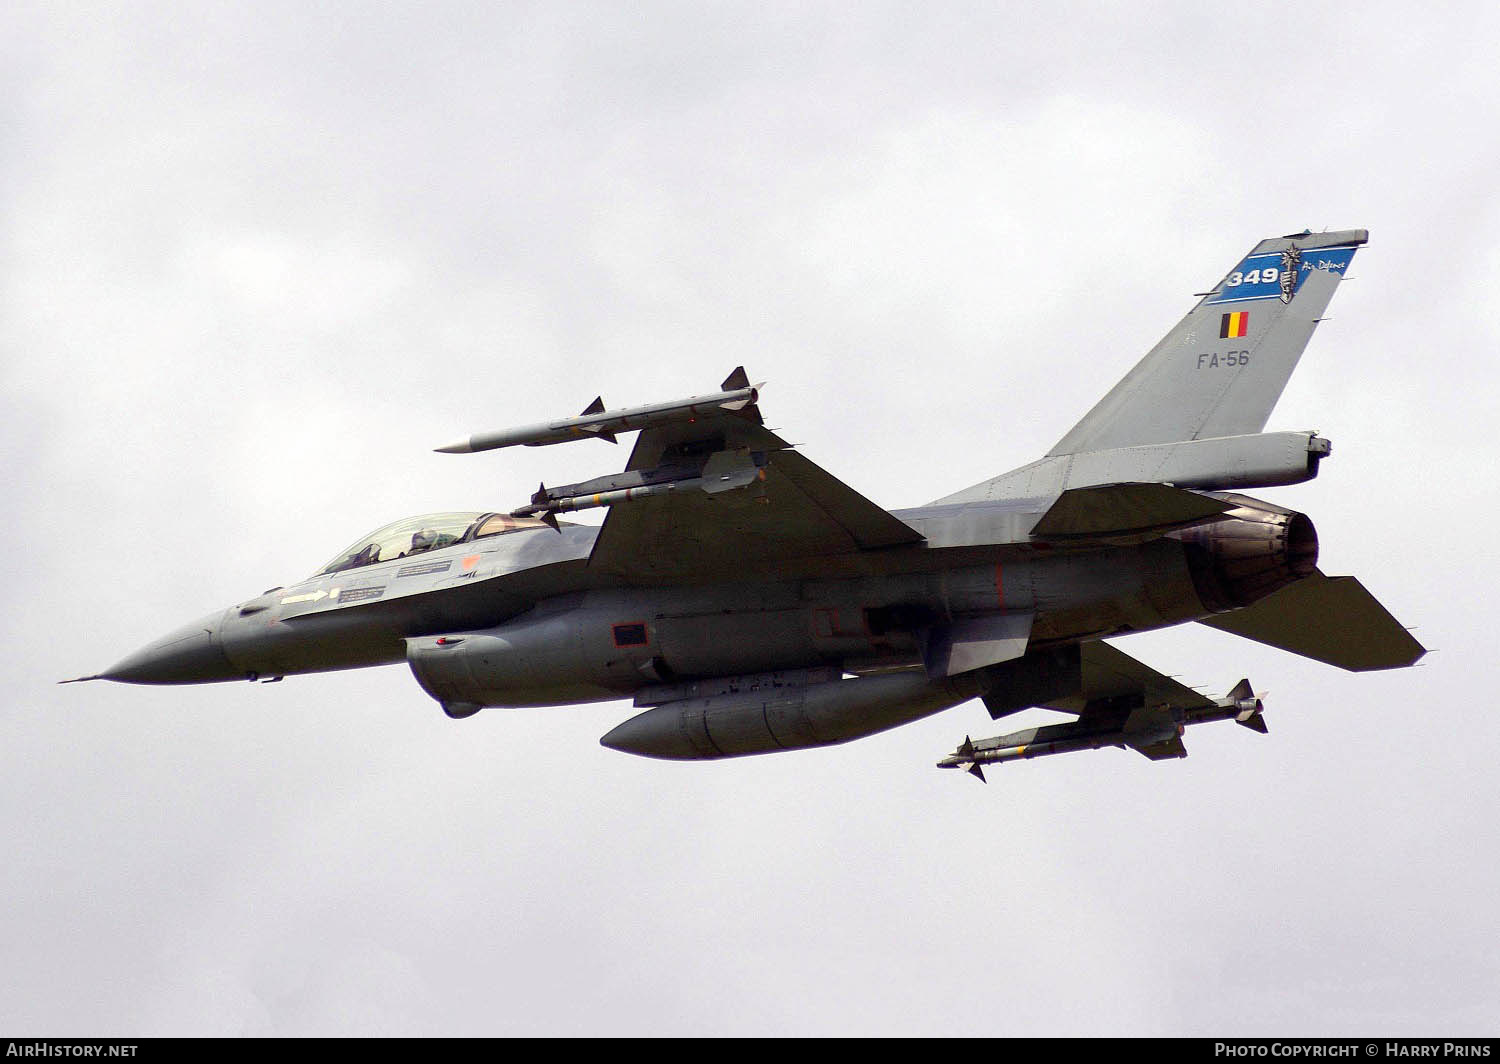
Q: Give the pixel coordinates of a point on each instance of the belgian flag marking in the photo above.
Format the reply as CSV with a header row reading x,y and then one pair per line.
x,y
1234,325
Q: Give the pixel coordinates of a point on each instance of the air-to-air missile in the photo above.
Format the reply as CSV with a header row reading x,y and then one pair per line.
x,y
723,471
1152,730
597,423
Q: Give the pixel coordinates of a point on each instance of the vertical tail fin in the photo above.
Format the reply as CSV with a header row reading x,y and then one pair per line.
x,y
1220,371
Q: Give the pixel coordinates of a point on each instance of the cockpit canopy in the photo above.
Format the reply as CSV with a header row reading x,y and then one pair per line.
x,y
417,535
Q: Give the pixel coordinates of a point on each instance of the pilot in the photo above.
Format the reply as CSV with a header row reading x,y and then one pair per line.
x,y
426,539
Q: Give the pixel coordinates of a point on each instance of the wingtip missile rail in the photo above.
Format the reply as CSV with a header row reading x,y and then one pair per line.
x,y
736,396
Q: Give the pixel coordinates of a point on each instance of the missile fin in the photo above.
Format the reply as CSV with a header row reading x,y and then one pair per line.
x,y
596,407
598,433
1255,722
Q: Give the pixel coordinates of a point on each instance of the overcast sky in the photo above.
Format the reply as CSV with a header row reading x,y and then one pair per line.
x,y
256,262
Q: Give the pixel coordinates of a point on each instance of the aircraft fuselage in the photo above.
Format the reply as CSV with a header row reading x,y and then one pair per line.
x,y
522,620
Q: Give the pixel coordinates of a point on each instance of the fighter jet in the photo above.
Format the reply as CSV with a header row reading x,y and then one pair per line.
x,y
749,602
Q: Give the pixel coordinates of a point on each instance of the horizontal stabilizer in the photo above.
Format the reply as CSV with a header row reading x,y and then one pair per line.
x,y
1331,619
1126,509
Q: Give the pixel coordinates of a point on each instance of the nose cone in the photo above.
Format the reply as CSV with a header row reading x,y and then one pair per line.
x,y
659,732
192,654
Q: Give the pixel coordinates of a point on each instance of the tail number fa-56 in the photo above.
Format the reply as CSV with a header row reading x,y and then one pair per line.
x,y
1214,360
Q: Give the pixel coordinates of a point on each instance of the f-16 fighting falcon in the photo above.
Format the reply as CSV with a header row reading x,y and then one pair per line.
x,y
749,602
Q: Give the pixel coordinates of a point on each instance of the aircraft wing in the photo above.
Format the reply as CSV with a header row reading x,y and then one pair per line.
x,y
793,510
1143,708
1107,674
